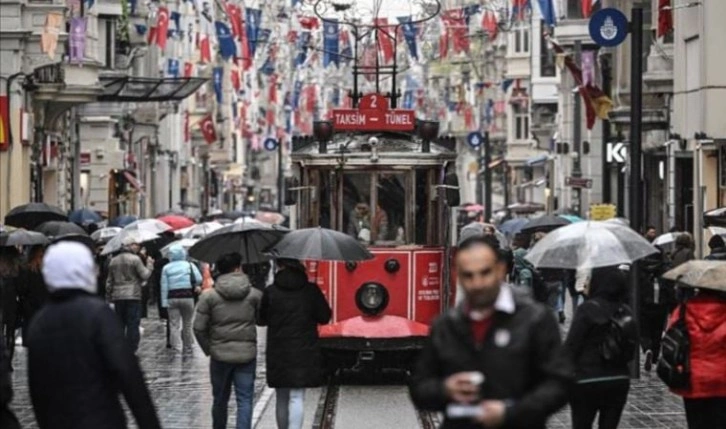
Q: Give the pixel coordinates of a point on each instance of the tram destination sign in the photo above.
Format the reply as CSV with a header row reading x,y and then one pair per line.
x,y
373,114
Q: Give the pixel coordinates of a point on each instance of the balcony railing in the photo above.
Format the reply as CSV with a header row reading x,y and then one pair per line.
x,y
49,74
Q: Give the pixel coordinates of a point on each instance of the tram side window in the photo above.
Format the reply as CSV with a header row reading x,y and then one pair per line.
x,y
356,205
421,223
389,220
326,190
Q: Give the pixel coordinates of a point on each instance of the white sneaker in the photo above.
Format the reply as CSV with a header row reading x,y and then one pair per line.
x,y
141,330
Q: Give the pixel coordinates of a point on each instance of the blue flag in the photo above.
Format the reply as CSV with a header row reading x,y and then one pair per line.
x,y
335,97
268,68
409,33
548,12
489,112
296,94
217,76
253,28
132,7
470,11
263,36
302,47
331,43
227,47
408,99
172,68
175,16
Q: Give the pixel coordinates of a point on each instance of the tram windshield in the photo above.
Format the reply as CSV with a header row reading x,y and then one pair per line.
x,y
374,207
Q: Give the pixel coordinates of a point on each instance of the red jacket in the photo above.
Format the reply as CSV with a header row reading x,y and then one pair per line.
x,y
706,321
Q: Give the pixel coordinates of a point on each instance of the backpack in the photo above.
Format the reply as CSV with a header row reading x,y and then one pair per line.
x,y
620,343
674,364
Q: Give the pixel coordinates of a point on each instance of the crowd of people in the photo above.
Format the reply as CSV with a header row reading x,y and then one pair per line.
x,y
82,339
498,356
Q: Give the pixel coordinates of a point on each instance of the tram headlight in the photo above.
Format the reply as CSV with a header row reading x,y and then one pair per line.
x,y
371,298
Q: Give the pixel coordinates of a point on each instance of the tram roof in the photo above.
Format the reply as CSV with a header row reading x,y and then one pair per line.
x,y
393,148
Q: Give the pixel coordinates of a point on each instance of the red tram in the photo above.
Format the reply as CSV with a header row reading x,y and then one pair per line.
x,y
392,190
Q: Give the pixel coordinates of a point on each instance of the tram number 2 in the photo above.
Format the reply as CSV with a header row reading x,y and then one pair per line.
x,y
374,102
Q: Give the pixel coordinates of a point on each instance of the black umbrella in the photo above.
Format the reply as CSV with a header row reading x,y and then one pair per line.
x,y
249,239
23,237
715,217
320,244
57,228
544,223
29,216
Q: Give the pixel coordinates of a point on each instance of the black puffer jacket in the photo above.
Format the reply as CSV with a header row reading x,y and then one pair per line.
x,y
521,358
590,326
292,308
32,294
78,364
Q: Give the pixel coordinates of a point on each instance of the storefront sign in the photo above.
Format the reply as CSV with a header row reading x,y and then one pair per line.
x,y
603,211
84,159
578,182
4,123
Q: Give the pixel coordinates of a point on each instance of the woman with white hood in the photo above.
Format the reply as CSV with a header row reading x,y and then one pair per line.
x,y
78,359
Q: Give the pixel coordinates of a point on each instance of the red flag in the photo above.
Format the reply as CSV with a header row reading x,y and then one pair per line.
x,y
587,6
665,18
444,39
291,37
235,19
310,98
208,130
236,84
309,22
188,69
187,131
469,117
457,29
244,52
205,52
273,89
151,36
489,23
162,26
385,43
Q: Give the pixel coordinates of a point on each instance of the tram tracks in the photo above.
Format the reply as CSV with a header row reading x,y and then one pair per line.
x,y
331,407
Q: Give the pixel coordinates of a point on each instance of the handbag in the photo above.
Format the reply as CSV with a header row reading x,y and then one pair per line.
x,y
674,364
192,281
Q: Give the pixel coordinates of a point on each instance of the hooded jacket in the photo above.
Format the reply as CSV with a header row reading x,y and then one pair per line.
x,y
706,322
126,276
292,308
226,317
178,274
590,327
78,359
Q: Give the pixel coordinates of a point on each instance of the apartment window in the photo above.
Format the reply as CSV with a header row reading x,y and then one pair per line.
x,y
520,113
547,66
521,40
107,41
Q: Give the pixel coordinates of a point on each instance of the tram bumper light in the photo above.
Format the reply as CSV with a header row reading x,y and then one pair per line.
x,y
371,298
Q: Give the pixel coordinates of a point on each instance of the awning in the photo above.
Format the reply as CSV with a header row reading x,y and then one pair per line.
x,y
537,160
134,182
140,89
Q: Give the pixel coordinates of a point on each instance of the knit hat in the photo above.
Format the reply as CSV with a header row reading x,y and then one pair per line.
x,y
69,265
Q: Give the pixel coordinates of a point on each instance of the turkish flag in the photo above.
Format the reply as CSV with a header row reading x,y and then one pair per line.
x,y
456,28
273,89
444,39
151,36
208,130
665,18
205,51
234,76
162,26
384,38
187,131
309,22
489,23
310,98
188,69
235,19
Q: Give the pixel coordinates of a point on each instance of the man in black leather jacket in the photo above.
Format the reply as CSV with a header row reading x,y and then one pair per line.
x,y
512,342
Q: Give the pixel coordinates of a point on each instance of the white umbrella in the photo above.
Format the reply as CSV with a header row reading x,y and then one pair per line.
x,y
105,234
148,225
186,243
666,240
137,235
589,244
717,230
199,230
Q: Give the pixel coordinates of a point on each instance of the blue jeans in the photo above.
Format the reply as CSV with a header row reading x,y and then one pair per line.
x,y
223,375
129,311
289,408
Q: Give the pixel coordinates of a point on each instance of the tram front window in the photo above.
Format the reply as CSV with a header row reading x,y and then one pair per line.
x,y
374,207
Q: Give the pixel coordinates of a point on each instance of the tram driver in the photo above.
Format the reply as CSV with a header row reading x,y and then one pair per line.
x,y
359,224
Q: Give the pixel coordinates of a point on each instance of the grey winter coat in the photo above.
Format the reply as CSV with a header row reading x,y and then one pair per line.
x,y
126,276
226,318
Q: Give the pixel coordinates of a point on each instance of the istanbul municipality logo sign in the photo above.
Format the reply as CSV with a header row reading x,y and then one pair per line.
x,y
608,27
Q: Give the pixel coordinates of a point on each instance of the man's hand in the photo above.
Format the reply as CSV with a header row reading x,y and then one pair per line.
x,y
460,388
492,415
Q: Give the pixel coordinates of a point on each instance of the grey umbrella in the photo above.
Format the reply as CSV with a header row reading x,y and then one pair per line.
x,y
23,237
545,223
320,244
249,239
65,231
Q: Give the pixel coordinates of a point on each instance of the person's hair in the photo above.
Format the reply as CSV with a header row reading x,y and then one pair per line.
x,y
9,261
684,239
520,240
649,227
229,263
35,258
293,264
485,241
716,241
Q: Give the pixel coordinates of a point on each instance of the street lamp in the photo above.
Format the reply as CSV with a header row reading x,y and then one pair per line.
x,y
323,132
427,130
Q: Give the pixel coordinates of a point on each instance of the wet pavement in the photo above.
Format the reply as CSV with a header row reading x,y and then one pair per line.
x,y
182,393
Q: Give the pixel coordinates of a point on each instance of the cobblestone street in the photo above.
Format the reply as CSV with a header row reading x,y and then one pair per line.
x,y
182,393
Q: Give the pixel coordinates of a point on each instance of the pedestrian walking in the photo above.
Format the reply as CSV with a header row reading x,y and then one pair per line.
x,y
258,274
717,244
225,328
602,381
292,308
705,320
684,249
78,360
127,275
155,283
32,290
180,282
496,360
9,304
656,297
7,417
